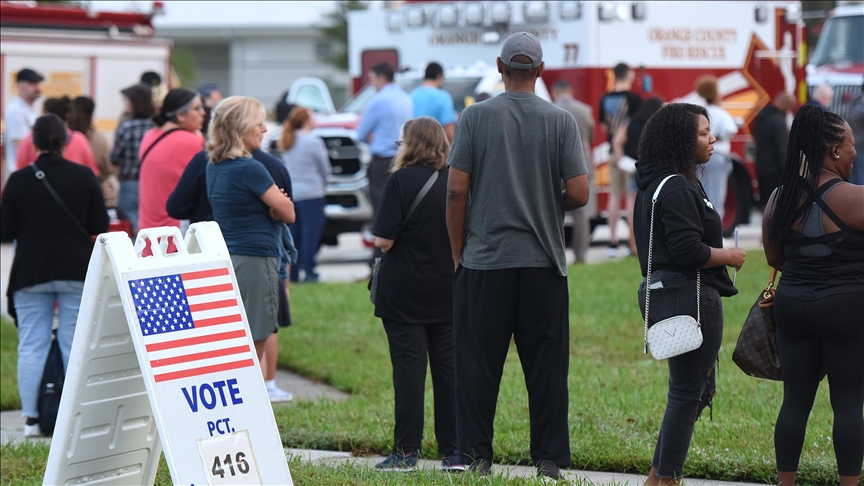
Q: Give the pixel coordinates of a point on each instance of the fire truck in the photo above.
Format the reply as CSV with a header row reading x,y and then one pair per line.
x,y
80,51
839,56
755,49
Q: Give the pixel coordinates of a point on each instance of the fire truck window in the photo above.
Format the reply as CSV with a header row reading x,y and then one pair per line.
x,y
841,42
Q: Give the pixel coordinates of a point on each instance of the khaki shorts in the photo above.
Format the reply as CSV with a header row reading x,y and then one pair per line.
x,y
618,180
258,280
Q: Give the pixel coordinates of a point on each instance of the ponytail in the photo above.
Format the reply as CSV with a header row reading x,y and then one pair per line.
x,y
296,119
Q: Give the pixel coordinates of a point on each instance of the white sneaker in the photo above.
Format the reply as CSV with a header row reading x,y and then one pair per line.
x,y
32,430
624,252
612,252
278,395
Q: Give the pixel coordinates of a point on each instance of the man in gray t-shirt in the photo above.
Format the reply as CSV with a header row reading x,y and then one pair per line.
x,y
510,154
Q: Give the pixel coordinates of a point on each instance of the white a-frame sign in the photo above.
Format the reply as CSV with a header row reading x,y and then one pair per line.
x,y
163,358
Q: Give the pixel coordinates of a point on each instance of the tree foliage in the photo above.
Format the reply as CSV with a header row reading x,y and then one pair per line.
x,y
335,29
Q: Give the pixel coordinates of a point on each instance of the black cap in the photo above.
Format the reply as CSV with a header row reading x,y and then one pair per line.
x,y
29,76
151,78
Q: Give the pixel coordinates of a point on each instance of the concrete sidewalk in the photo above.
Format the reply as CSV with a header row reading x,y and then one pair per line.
x,y
586,477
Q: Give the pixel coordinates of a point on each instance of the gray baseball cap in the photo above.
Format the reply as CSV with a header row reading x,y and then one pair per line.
x,y
525,44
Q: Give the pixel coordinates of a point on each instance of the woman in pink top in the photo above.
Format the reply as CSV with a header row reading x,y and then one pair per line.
x,y
77,150
165,152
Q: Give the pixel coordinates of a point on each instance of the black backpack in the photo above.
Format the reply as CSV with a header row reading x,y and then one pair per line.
x,y
51,388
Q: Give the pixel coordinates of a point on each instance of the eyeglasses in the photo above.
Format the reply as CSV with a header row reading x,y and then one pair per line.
x,y
399,143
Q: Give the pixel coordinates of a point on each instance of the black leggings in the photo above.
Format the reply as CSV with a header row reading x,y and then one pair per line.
x,y
827,331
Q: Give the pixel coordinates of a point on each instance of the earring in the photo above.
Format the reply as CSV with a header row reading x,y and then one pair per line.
x,y
836,156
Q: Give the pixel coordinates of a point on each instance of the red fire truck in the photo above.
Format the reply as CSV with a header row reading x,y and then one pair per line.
x,y
754,49
79,51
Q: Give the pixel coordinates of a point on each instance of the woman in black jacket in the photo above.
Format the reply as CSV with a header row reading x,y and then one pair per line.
x,y
52,252
687,237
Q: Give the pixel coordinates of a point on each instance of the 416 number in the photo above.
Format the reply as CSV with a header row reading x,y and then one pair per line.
x,y
219,465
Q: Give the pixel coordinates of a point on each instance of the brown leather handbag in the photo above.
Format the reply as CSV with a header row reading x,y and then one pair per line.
x,y
756,350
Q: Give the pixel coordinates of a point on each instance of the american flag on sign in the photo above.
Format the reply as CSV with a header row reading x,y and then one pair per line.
x,y
191,324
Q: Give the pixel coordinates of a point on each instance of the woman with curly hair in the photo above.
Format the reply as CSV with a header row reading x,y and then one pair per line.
x,y
814,233
688,237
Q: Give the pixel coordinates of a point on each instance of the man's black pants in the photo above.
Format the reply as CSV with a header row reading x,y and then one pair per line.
x,y
490,306
409,346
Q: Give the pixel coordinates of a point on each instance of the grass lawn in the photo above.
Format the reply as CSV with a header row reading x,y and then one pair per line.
x,y
617,395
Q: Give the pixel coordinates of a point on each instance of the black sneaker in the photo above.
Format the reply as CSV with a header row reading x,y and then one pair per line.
x,y
481,466
453,463
548,469
398,462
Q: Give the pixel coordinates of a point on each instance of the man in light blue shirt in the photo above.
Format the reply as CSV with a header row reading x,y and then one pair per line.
x,y
381,126
430,100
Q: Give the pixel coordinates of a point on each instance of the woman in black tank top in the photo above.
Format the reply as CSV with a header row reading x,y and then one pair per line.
x,y
814,233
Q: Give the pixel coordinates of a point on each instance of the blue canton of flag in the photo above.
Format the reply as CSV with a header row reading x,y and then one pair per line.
x,y
161,304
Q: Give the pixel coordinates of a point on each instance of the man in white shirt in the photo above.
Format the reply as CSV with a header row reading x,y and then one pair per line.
x,y
19,115
715,176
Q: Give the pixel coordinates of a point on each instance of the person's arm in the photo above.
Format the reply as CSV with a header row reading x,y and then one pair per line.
x,y
682,214
183,201
121,141
458,185
368,122
382,243
619,141
323,160
450,130
9,224
576,192
281,207
774,251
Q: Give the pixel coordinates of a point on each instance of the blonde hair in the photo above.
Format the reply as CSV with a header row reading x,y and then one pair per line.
x,y
425,143
233,118
296,119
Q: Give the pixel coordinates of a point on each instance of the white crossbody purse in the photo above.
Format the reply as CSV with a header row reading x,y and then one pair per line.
x,y
678,334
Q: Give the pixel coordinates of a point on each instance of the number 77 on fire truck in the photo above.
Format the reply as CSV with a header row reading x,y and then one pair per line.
x,y
755,49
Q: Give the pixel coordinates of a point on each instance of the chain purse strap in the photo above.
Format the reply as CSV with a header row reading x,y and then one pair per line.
x,y
650,257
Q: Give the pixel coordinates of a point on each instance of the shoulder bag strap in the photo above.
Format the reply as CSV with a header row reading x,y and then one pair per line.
x,y
650,257
146,152
420,196
41,176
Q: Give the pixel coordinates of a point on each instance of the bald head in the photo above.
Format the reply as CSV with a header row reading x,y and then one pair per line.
x,y
823,95
784,102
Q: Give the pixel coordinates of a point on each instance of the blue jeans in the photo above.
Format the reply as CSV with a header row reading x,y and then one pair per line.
x,y
128,202
35,308
306,231
692,380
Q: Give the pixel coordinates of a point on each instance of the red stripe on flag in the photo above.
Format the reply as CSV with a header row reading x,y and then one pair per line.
x,y
179,343
212,305
203,370
218,272
194,357
215,321
210,290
